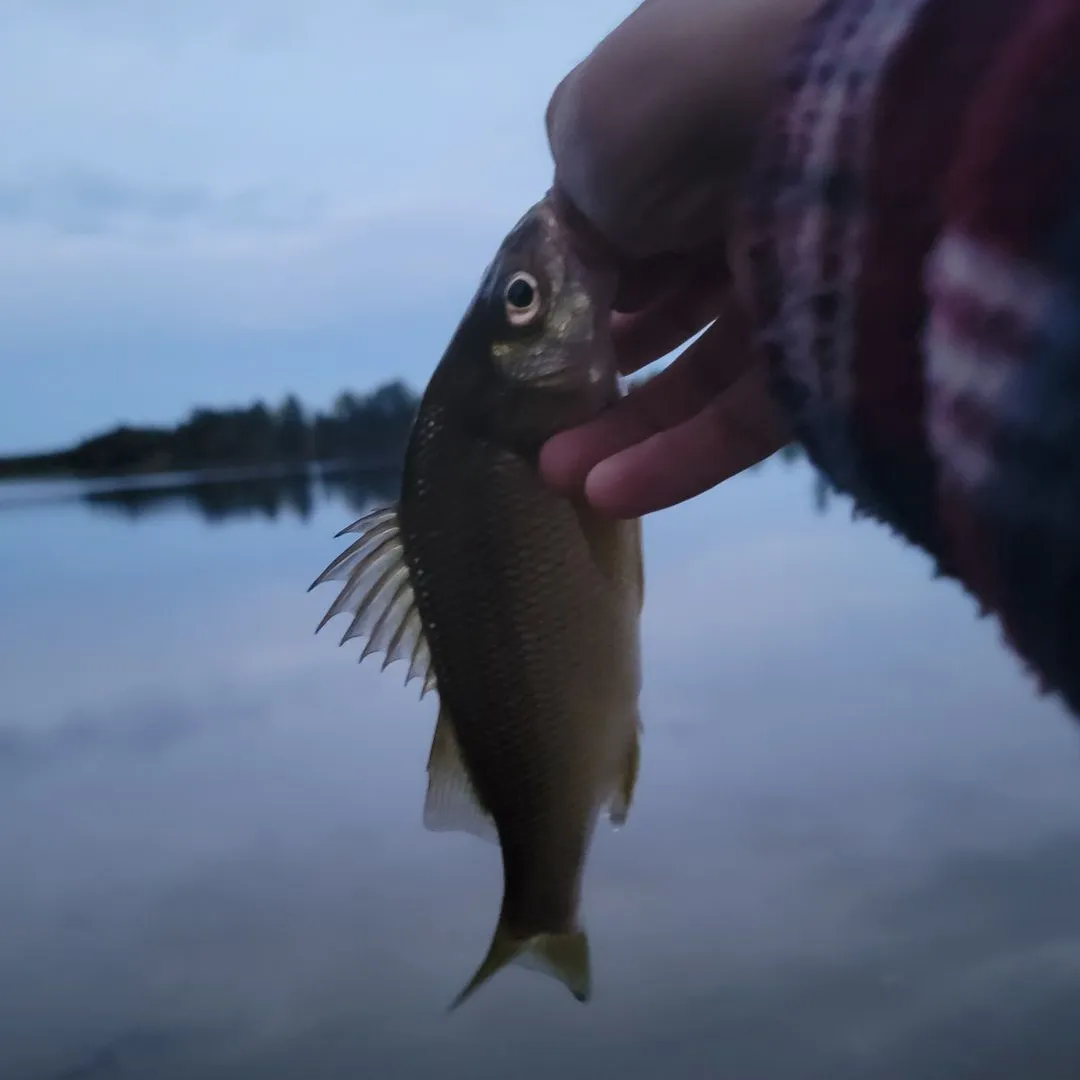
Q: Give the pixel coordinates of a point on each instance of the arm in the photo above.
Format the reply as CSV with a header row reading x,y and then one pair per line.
x,y
898,284
910,249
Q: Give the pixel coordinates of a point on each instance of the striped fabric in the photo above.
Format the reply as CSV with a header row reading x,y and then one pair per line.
x,y
912,242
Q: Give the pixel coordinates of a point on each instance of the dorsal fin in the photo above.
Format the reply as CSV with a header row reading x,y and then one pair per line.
x,y
379,595
626,781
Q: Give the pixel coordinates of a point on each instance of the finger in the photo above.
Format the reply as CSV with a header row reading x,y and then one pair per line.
x,y
736,430
589,243
645,281
688,302
677,393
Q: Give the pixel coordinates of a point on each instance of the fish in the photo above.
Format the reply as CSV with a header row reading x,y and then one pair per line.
x,y
518,606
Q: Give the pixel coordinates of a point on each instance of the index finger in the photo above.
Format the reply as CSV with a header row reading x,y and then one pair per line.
x,y
679,392
734,431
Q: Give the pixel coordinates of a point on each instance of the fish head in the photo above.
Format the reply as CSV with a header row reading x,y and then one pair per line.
x,y
534,354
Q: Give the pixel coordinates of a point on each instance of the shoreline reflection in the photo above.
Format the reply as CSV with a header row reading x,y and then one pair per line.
x,y
225,495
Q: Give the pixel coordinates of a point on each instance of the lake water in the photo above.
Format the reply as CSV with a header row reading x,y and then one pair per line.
x,y
855,849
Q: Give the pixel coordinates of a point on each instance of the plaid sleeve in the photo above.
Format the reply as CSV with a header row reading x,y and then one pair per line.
x,y
912,249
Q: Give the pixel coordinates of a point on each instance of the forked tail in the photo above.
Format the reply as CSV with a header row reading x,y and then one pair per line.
x,y
562,956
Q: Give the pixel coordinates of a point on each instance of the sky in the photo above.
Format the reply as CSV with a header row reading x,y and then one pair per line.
x,y
213,201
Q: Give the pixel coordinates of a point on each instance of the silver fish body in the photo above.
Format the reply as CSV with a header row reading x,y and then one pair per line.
x,y
521,607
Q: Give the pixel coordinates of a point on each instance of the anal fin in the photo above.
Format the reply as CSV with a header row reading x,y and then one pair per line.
x,y
451,803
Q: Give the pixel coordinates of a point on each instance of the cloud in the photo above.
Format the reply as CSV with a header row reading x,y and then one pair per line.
x,y
324,179
206,266
81,201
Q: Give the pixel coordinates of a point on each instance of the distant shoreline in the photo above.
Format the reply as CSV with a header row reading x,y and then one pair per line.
x,y
370,430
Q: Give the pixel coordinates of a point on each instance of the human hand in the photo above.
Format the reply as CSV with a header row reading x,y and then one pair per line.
x,y
651,136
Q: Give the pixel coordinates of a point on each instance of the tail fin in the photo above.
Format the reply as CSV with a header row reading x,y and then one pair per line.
x,y
562,956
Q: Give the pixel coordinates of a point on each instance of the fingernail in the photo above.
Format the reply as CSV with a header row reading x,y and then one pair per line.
x,y
600,482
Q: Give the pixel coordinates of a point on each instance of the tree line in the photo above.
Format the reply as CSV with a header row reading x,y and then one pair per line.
x,y
371,428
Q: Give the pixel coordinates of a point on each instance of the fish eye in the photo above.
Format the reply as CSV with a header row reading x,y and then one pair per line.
x,y
522,299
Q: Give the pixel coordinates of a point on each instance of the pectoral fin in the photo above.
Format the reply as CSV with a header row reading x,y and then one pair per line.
x,y
636,543
617,549
452,804
379,596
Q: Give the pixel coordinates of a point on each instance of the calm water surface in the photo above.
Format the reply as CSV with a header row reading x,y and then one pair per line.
x,y
855,850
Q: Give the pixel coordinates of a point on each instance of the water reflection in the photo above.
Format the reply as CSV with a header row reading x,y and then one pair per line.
x,y
854,852
223,495
269,496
